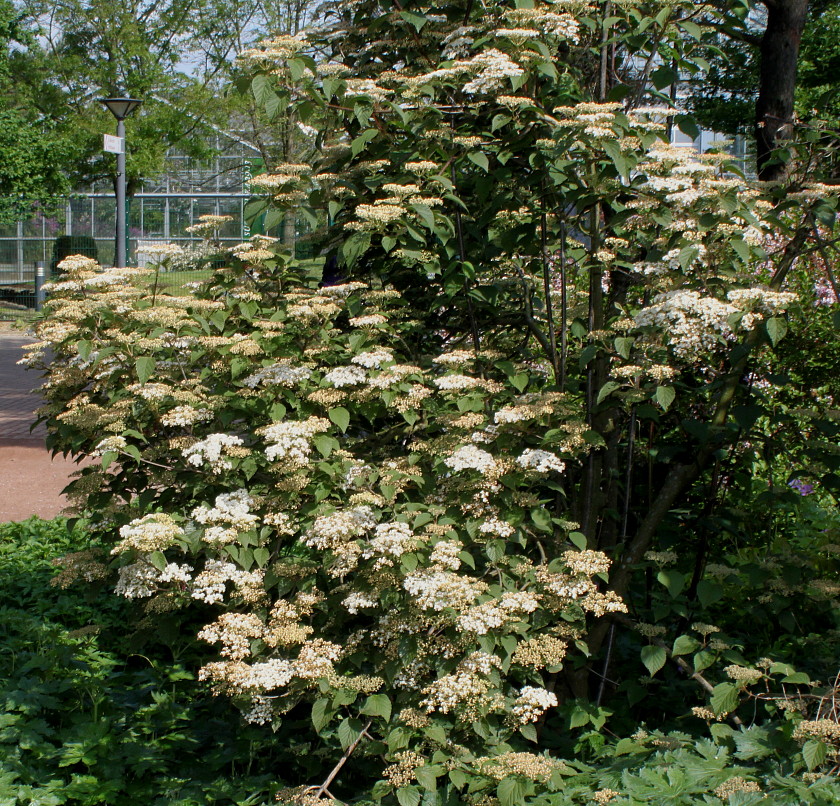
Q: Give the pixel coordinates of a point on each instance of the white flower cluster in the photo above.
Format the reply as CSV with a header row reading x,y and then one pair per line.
x,y
109,444
137,580
182,416
333,530
391,540
345,376
494,70
434,589
456,383
372,359
209,585
445,554
694,324
230,516
278,375
356,601
468,457
368,320
290,440
540,461
210,451
497,612
456,689
154,532
496,526
532,702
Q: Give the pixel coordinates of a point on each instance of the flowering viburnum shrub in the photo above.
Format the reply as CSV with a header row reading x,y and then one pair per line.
x,y
413,505
367,522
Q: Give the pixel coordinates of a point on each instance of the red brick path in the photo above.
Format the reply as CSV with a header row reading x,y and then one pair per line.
x,y
31,481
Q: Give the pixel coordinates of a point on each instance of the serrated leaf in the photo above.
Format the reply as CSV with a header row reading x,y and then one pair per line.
x,y
325,444
340,416
814,752
664,396
709,592
145,367
480,159
607,389
724,698
408,796
348,731
674,581
520,381
417,20
529,731
753,744
654,658
158,560
578,718
776,329
321,714
377,705
427,775
108,458
578,539
703,660
684,644
510,792
360,143
261,556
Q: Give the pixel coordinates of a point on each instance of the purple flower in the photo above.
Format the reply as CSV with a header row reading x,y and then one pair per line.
x,y
802,487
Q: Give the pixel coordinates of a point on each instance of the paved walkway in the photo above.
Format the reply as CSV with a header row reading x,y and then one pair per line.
x,y
31,481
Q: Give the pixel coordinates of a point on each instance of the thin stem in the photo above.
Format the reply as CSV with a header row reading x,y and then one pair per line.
x,y
342,761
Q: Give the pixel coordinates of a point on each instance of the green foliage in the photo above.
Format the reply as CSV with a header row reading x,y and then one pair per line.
x,y
414,511
91,716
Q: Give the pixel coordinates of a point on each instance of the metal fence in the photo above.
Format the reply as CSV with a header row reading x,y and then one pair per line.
x,y
152,218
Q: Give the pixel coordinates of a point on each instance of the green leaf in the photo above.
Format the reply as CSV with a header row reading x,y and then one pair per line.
x,y
408,796
776,329
709,592
520,381
724,698
360,143
417,20
377,705
427,775
684,644
542,520
145,367
340,416
261,556
510,792
814,752
321,714
348,731
108,458
664,396
703,660
480,159
674,581
158,560
578,718
607,389
325,444
388,243
578,539
529,731
654,658
354,247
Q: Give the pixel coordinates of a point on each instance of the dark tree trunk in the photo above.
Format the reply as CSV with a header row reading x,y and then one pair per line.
x,y
777,82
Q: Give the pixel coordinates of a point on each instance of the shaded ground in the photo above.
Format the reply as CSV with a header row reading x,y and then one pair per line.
x,y
31,481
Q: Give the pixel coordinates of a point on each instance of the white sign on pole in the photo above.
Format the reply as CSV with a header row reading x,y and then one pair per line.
x,y
114,145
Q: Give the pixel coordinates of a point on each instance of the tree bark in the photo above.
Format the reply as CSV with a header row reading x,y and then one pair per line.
x,y
777,82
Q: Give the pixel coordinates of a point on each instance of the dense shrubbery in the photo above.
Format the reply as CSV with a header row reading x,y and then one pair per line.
x,y
97,712
535,475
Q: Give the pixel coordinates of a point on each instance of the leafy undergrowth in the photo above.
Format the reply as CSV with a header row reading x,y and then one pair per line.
x,y
93,715
85,719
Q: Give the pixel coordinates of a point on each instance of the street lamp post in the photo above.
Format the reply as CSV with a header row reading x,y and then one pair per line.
x,y
120,108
